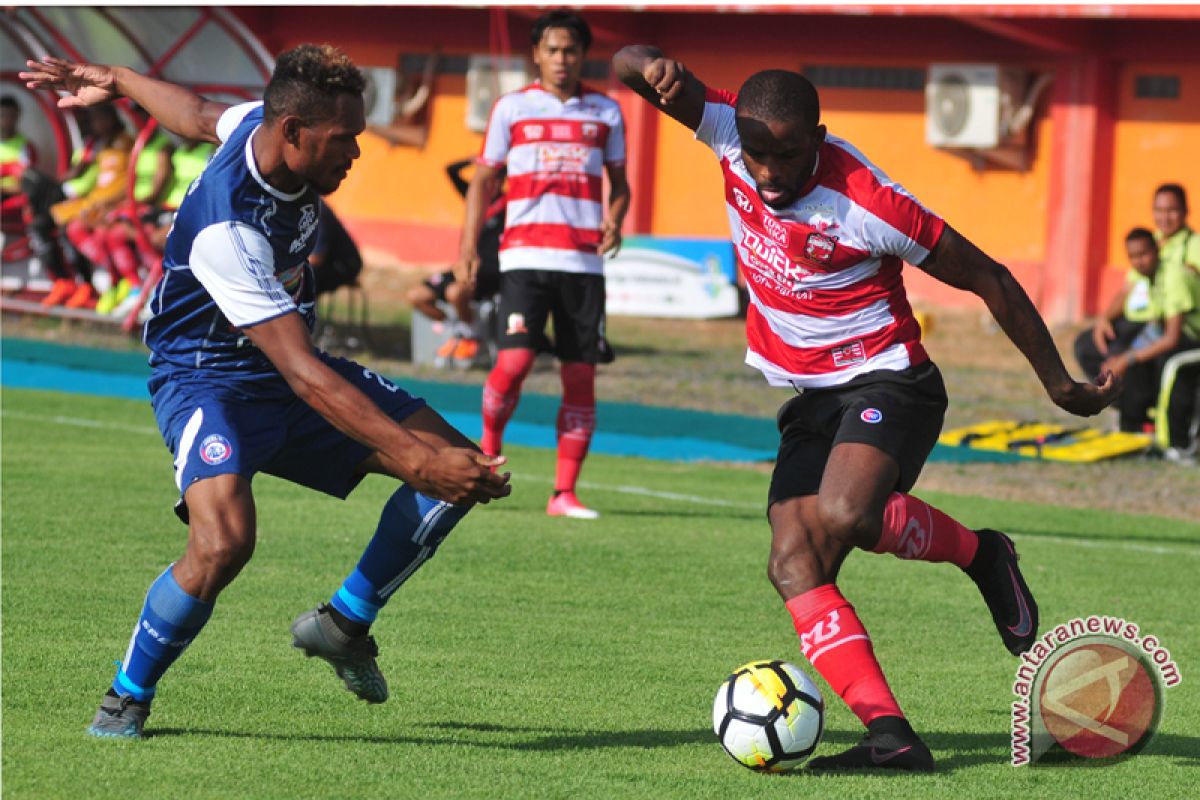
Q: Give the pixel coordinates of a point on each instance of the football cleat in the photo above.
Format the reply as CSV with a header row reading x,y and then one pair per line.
x,y
445,353
995,571
465,352
880,751
352,657
119,717
566,504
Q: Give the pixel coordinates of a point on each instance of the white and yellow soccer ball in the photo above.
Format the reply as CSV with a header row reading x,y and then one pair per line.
x,y
769,716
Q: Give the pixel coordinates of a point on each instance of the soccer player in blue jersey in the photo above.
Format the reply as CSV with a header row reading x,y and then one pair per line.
x,y
238,387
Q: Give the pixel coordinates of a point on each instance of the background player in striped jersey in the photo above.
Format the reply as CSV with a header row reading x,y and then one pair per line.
x,y
821,235
557,138
238,387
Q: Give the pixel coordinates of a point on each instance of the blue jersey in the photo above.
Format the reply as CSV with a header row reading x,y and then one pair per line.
x,y
236,256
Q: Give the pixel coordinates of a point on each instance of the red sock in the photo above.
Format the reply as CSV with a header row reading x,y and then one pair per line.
x,y
835,642
500,394
576,422
126,263
87,243
913,529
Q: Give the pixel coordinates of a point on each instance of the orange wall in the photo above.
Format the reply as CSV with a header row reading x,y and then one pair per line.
x,y
1156,142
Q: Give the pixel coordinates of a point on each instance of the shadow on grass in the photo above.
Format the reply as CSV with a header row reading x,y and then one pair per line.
x,y
532,739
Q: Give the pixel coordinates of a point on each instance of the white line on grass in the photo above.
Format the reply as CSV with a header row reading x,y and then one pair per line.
x,y
79,422
642,491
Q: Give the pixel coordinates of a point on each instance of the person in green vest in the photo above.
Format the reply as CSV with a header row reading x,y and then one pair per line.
x,y
134,255
152,175
16,153
1165,310
1179,252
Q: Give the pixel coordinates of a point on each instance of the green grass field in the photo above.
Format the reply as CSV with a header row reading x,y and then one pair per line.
x,y
533,658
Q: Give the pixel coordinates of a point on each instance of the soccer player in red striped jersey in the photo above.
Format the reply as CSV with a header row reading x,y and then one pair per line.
x,y
821,235
557,139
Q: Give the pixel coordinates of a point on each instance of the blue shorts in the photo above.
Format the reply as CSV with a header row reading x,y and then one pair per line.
x,y
215,428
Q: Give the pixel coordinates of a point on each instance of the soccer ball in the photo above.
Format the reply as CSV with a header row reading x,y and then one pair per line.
x,y
769,716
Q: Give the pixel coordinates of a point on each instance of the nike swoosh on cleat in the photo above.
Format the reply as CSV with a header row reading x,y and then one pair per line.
x,y
1024,621
883,758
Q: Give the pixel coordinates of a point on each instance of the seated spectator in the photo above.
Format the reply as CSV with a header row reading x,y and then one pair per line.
x,y
16,155
1179,252
101,241
94,185
335,259
134,255
462,346
1166,314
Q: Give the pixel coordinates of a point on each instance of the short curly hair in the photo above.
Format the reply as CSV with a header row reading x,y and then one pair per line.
x,y
777,95
306,81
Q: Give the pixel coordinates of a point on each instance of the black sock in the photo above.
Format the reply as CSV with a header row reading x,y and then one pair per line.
x,y
347,625
893,726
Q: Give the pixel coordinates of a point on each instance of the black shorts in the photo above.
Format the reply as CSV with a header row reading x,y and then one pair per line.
x,y
576,301
898,412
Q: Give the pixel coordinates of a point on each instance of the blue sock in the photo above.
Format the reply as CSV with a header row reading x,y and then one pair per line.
x,y
410,529
170,619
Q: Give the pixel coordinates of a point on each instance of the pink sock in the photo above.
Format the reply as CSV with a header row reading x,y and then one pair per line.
x,y
501,392
576,422
913,529
835,642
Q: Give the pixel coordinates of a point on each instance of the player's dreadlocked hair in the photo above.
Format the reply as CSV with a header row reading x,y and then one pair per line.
x,y
307,79
776,95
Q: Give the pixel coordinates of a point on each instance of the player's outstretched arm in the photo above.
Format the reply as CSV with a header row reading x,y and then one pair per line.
x,y
957,262
176,108
662,81
485,184
454,474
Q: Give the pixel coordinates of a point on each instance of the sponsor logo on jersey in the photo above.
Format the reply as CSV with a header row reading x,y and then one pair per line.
x,y
775,229
871,415
516,324
215,449
559,130
534,131
307,226
742,201
849,355
819,248
560,157
766,255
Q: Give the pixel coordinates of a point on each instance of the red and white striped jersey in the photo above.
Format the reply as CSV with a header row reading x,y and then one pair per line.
x,y
827,301
555,153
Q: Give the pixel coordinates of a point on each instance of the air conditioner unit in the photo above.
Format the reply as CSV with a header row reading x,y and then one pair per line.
x,y
379,97
487,79
971,105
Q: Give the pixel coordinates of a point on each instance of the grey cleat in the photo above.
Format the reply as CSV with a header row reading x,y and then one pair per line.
x,y
352,657
120,717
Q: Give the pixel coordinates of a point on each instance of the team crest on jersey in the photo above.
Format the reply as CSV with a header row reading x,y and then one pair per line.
x,y
872,416
307,226
215,449
516,324
776,229
742,201
591,131
819,248
849,355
